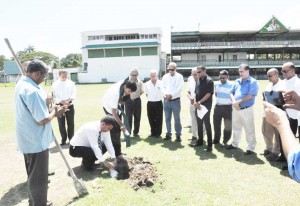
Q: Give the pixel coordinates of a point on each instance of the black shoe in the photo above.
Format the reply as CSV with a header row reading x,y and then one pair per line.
x,y
62,144
281,158
49,203
266,152
215,142
196,144
230,147
248,152
51,173
168,137
178,139
193,138
208,149
224,145
284,167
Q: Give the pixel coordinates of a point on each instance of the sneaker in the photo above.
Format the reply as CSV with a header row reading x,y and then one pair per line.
x,y
168,137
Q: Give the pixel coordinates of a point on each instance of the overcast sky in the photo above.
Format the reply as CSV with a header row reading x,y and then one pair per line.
x,y
55,25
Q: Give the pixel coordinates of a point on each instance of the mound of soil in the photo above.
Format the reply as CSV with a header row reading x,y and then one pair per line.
x,y
136,171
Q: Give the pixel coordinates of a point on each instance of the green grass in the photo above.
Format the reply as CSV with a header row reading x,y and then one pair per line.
x,y
186,176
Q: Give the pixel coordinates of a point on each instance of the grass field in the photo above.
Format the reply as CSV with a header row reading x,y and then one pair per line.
x,y
186,176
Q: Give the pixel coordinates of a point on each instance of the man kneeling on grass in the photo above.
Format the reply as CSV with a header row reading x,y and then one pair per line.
x,y
92,140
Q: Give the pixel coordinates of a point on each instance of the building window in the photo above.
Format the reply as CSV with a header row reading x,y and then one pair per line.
x,y
85,67
113,53
95,53
234,57
131,52
148,51
203,58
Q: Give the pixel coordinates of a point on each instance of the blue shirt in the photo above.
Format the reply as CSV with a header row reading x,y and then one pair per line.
x,y
294,163
222,92
30,109
241,89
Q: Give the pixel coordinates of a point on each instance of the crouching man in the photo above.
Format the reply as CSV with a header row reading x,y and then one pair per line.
x,y
92,140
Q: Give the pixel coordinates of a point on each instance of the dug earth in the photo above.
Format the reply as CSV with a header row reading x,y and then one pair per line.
x,y
136,171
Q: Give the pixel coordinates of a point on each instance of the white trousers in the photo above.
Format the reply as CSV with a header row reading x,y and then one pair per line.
x,y
243,118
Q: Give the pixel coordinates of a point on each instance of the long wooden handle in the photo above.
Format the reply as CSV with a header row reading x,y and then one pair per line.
x,y
15,56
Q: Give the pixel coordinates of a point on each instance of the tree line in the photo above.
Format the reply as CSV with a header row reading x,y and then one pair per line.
x,y
29,53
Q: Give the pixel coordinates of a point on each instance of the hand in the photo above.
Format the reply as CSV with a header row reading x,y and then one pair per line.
x,y
192,101
59,111
108,164
275,116
292,100
123,128
197,105
49,100
236,105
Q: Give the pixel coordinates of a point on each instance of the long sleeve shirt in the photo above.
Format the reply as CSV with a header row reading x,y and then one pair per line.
x,y
64,90
294,163
87,136
172,85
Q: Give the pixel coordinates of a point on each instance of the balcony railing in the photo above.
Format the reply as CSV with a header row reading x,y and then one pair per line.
x,y
260,63
239,44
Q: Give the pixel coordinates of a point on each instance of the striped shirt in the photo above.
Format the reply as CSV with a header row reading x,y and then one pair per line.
x,y
222,92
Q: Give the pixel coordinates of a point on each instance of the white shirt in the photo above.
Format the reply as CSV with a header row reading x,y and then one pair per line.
x,y
154,92
111,97
191,87
87,136
172,85
293,84
64,90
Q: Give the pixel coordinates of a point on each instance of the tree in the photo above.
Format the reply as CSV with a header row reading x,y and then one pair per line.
x,y
29,49
2,59
46,57
71,60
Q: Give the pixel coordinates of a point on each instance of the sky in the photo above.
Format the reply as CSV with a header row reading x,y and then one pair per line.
x,y
55,26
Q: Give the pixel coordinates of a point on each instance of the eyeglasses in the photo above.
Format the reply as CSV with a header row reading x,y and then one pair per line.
x,y
134,75
199,72
285,71
171,70
269,76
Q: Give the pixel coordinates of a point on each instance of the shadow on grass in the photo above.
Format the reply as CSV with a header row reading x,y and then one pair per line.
x,y
239,155
203,154
88,175
153,140
169,144
15,195
55,148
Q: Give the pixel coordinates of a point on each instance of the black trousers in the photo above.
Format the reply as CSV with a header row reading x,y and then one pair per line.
x,y
206,121
133,108
222,112
37,165
69,116
155,117
115,134
87,154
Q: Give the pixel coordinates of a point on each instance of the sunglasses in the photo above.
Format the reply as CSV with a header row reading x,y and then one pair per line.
x,y
199,72
269,76
171,70
285,71
134,75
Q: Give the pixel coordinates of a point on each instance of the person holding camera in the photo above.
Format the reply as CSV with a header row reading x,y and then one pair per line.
x,y
270,133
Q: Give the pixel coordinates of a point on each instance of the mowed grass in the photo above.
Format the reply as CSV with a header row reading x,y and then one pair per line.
x,y
186,176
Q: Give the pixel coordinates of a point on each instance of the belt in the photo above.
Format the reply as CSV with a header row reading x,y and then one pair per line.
x,y
244,107
174,99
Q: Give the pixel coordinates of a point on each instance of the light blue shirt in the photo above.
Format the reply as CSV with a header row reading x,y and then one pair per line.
x,y
294,163
222,92
30,109
241,89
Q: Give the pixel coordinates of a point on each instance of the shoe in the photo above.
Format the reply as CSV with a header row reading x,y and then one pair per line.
x,y
229,147
196,144
266,152
136,135
208,149
178,139
224,145
151,135
281,158
248,152
62,144
272,157
215,142
188,126
49,203
284,167
51,173
193,138
168,137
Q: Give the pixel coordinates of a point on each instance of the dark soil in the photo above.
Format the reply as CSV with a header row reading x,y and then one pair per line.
x,y
136,171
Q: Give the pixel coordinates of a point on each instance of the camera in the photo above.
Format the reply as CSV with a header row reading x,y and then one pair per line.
x,y
275,98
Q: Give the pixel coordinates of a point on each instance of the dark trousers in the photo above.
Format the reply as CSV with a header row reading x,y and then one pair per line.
x,y
115,134
37,173
155,117
134,108
69,116
206,121
87,154
222,112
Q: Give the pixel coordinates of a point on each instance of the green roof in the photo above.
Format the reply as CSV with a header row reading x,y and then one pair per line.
x,y
121,45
